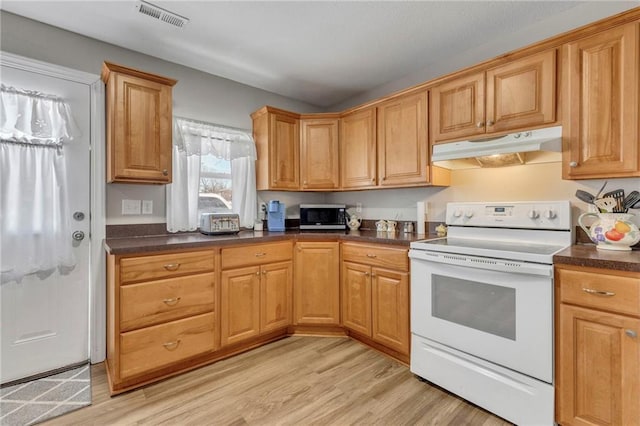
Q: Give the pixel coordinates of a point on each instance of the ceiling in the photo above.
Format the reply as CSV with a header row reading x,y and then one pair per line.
x,y
320,52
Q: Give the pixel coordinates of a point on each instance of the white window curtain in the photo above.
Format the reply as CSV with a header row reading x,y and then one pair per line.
x,y
34,210
191,139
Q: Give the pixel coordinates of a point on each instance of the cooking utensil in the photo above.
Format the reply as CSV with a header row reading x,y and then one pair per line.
x,y
605,205
631,199
585,196
618,195
601,189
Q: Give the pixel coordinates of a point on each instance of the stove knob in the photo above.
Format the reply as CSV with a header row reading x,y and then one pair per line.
x,y
549,214
457,213
468,213
533,214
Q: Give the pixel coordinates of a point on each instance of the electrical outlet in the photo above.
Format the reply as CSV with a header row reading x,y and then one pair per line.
x,y
358,207
130,207
147,206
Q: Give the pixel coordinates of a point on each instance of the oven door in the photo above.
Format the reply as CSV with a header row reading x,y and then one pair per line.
x,y
497,310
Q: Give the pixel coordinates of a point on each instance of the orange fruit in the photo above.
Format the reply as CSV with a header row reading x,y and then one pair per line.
x,y
622,227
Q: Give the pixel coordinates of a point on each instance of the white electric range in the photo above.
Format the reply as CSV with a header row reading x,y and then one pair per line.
x,y
482,305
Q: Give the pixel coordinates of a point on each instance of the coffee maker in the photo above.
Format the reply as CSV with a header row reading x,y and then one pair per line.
x,y
275,215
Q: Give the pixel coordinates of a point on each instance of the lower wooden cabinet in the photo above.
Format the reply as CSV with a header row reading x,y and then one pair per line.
x,y
375,293
255,299
598,348
169,312
317,283
161,314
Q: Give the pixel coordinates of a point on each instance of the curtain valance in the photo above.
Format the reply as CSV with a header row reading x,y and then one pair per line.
x,y
34,118
199,138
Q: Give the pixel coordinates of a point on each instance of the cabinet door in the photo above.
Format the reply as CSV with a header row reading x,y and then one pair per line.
x,y
457,108
522,93
275,296
598,367
390,306
356,297
240,305
317,283
284,141
138,130
319,154
403,152
358,149
600,112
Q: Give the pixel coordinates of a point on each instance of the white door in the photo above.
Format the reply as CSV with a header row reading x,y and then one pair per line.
x,y
45,321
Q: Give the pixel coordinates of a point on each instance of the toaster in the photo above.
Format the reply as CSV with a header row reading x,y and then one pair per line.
x,y
219,223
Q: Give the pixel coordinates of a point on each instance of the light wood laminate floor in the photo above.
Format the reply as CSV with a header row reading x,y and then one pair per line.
x,y
294,381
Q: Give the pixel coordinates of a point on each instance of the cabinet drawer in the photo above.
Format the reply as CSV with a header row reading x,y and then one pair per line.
x,y
613,293
386,257
155,302
154,347
256,254
165,265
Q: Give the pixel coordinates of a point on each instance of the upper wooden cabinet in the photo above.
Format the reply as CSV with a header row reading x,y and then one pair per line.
x,y
358,149
600,81
138,125
277,136
403,149
520,94
319,153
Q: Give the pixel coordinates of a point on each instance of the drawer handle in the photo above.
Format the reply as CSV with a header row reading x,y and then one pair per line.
x,y
260,254
172,301
172,266
372,256
171,345
599,292
631,333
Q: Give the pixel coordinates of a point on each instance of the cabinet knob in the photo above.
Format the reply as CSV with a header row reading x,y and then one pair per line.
x,y
490,123
172,301
172,266
631,333
479,124
373,179
304,183
165,172
264,272
171,345
373,275
599,292
258,273
573,164
366,274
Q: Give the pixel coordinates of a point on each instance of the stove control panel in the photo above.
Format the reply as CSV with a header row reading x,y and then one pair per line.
x,y
514,214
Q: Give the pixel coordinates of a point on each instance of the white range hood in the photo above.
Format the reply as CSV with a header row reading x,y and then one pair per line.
x,y
532,145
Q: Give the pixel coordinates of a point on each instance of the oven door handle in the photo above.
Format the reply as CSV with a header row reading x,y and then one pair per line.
x,y
477,262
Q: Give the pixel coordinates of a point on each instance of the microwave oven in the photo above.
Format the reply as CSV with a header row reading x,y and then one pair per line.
x,y
322,216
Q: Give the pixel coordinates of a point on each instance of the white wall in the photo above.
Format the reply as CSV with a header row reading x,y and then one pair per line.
x,y
575,17
196,95
530,182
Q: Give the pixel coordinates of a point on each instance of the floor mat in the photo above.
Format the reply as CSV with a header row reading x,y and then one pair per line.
x,y
33,402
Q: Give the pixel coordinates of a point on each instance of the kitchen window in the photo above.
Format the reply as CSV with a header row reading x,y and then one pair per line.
x,y
213,171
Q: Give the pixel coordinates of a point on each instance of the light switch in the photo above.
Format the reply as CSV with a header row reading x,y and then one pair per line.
x,y
130,207
147,206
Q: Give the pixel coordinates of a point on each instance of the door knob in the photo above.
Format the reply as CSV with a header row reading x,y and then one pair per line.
x,y
78,235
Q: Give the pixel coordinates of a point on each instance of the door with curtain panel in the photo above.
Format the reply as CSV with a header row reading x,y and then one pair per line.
x,y
45,316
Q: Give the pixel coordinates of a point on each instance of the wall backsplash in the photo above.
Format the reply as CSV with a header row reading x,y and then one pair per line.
x,y
532,182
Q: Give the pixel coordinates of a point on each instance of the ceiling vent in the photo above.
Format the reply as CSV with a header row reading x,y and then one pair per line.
x,y
161,14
